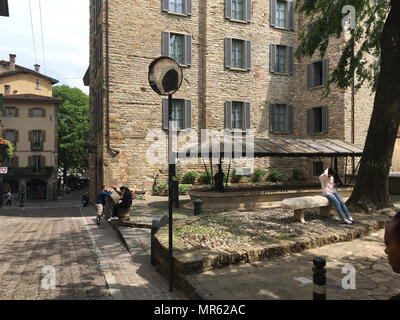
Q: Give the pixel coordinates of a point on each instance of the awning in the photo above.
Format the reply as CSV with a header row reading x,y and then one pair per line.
x,y
266,147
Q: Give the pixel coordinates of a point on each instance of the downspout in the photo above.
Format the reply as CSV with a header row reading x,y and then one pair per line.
x,y
115,152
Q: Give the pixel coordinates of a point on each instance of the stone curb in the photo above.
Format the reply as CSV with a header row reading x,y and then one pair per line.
x,y
204,260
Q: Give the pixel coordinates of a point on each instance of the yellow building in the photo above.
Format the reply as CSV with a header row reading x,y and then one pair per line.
x,y
29,119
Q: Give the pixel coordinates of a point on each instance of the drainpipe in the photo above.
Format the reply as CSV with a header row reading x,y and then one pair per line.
x,y
115,152
353,164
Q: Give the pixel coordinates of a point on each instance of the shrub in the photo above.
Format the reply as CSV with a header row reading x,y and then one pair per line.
x,y
184,188
204,178
258,174
236,177
298,175
161,188
274,175
190,177
179,176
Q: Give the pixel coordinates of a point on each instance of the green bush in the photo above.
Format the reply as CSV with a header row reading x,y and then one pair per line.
x,y
190,177
274,175
179,177
184,188
259,174
161,188
236,177
204,178
298,175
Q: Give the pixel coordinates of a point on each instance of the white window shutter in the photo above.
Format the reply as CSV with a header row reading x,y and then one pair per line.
x,y
228,9
248,55
188,7
165,44
228,52
188,50
188,114
165,5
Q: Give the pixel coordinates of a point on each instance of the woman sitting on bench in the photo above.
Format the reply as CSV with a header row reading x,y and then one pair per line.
x,y
126,201
329,190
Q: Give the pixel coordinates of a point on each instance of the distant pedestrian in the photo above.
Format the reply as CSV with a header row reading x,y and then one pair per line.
x,y
101,201
9,198
392,242
21,199
329,190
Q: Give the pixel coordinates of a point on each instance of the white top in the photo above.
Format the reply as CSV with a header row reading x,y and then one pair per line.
x,y
327,184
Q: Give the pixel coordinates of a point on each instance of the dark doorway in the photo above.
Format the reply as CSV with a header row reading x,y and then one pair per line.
x,y
36,189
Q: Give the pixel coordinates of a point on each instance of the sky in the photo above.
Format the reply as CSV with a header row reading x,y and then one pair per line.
x,y
65,25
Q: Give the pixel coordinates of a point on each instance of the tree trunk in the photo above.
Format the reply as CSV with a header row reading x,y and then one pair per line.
x,y
371,190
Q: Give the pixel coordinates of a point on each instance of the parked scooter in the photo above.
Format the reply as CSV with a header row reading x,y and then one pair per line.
x,y
85,199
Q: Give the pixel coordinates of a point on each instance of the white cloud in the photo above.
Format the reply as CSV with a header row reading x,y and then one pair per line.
x,y
65,33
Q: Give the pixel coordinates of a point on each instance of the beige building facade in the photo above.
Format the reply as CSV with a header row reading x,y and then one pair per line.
x,y
29,121
240,74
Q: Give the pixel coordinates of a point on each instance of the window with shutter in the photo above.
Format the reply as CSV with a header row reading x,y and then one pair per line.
x,y
317,120
238,10
317,73
237,115
181,114
228,115
282,14
188,114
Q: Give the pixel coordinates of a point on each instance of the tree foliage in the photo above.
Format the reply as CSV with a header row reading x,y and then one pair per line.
x,y
73,128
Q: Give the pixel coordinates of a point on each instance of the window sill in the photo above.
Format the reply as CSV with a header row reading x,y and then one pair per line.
x,y
282,74
239,21
178,14
317,87
238,69
317,133
281,132
282,28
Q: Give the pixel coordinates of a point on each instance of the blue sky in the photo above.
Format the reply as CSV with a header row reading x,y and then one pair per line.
x,y
65,34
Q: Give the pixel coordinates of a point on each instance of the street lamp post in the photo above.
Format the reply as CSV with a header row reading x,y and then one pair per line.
x,y
165,78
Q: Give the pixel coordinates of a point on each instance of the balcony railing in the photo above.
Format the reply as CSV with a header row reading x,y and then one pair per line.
x,y
44,172
37,146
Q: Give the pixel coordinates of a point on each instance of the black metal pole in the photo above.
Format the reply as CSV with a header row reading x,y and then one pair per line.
x,y
170,200
319,279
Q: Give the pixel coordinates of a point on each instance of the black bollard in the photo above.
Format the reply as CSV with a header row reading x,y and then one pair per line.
x,y
319,279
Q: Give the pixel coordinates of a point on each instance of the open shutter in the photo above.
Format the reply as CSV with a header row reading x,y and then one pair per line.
x,y
43,113
228,115
325,119
248,55
16,112
290,118
247,114
188,114
165,114
30,112
325,71
42,161
30,162
291,58
188,50
309,121
165,5
272,12
165,44
272,57
228,9
228,52
272,108
248,9
43,136
30,136
291,15
16,161
16,136
188,7
310,83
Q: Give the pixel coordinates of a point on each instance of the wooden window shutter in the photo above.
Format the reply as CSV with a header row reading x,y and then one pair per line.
x,y
272,108
272,12
165,114
30,112
165,44
272,57
291,60
248,55
325,119
228,115
290,118
165,5
188,50
188,7
325,71
310,77
43,133
310,124
43,113
188,114
30,135
248,9
42,161
16,135
228,52
16,161
30,161
228,9
291,15
16,112
247,116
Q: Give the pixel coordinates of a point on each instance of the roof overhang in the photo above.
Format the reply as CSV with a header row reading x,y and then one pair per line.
x,y
32,98
86,77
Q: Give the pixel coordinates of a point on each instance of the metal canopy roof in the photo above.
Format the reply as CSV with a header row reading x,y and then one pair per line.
x,y
283,148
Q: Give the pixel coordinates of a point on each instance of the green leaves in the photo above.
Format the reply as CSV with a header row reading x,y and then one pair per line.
x,y
73,128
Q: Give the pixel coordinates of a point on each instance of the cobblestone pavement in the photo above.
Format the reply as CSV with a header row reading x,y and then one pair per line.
x,y
90,262
290,277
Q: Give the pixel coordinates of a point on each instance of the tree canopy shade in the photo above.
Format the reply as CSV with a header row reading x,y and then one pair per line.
x,y
73,129
377,33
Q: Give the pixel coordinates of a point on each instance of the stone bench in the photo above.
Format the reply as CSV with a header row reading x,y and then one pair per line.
x,y
300,204
123,214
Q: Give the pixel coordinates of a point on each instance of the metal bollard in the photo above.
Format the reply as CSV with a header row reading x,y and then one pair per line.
x,y
157,223
197,206
319,279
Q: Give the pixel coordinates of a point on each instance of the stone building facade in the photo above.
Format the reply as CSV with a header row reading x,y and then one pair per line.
x,y
239,68
29,121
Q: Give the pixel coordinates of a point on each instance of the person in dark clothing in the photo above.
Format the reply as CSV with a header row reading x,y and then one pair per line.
x,y
21,198
125,201
392,242
101,201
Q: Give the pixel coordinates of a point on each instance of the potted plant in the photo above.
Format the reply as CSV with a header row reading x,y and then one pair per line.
x,y
6,149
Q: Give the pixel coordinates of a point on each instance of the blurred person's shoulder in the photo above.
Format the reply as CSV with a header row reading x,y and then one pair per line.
x,y
397,297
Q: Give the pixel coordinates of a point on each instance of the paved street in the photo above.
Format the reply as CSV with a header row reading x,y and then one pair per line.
x,y
90,262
